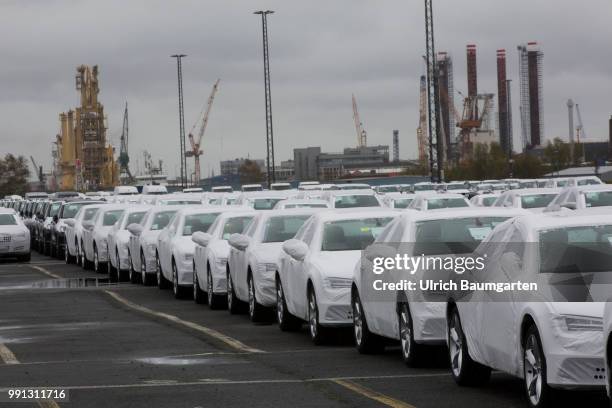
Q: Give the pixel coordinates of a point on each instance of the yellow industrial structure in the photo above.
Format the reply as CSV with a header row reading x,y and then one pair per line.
x,y
83,160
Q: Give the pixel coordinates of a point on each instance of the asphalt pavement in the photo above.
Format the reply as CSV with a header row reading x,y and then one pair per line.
x,y
125,345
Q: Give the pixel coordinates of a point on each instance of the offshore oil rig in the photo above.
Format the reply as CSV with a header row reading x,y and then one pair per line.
x,y
82,158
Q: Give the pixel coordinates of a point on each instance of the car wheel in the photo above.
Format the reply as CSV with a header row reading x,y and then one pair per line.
x,y
134,277
234,305
464,370
539,394
86,264
145,278
317,332
286,321
215,301
162,282
412,352
198,294
120,274
97,266
67,257
257,312
365,341
178,291
78,254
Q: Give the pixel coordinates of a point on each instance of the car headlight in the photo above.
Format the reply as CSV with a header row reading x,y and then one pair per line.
x,y
337,283
583,323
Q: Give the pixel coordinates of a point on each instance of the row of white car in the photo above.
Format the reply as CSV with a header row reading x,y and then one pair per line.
x,y
307,264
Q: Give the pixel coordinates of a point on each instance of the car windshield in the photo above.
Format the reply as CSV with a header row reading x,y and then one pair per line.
x,y
282,228
161,220
452,236
135,218
90,213
455,187
537,200
528,184
598,198
306,205
8,219
588,182
355,187
488,201
388,189
352,201
424,187
437,203
352,235
198,223
235,225
215,201
230,201
180,202
265,203
111,217
70,210
55,207
402,202
576,249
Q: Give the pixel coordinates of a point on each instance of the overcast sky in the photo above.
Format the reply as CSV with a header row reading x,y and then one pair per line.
x,y
321,52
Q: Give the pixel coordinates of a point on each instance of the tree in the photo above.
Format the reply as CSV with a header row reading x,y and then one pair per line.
x,y
250,172
14,174
527,166
557,154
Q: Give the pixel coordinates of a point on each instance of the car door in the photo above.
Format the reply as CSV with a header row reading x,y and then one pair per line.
x,y
296,278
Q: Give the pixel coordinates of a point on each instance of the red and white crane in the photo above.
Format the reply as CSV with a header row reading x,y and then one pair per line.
x,y
195,151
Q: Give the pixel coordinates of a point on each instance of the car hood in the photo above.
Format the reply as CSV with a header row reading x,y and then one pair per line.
x,y
339,264
12,229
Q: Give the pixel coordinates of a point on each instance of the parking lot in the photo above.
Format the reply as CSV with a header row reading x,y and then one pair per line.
x,y
128,345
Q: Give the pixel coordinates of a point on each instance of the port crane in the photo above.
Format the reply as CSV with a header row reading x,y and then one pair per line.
x,y
362,136
195,151
39,173
124,158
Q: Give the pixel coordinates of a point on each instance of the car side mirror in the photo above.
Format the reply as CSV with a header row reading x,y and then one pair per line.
x,y
375,251
201,238
55,218
135,229
88,225
296,249
239,241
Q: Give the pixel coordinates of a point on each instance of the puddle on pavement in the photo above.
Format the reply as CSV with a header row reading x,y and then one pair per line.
x,y
184,361
66,283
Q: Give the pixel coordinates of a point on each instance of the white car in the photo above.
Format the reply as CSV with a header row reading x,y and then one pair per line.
x,y
303,203
315,269
14,236
582,197
118,240
397,200
74,233
95,233
143,241
211,253
351,198
485,199
424,187
251,264
437,201
154,189
584,181
557,182
262,200
458,187
407,315
551,338
532,199
175,248
607,330
178,199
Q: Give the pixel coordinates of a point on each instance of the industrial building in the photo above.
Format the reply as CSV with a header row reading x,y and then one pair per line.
x,y
82,158
504,105
311,164
231,167
531,94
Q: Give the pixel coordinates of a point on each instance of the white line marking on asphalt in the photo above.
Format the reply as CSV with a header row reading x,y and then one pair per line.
x,y
7,355
373,395
210,381
46,272
233,343
48,404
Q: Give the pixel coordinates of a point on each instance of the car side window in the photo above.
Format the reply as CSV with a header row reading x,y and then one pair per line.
x,y
250,231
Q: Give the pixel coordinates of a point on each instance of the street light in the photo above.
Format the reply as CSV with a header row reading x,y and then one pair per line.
x,y
179,70
268,97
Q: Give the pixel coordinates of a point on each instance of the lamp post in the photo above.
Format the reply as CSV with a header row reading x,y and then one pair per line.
x,y
268,97
179,70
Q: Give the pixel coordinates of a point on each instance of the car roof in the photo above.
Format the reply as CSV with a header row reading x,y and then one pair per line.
x,y
463,212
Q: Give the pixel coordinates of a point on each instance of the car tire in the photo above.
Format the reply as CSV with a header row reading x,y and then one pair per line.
x,y
465,371
78,254
234,305
98,267
413,354
145,278
162,282
67,257
257,312
539,393
215,301
121,275
366,342
179,292
85,263
318,333
199,296
286,321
